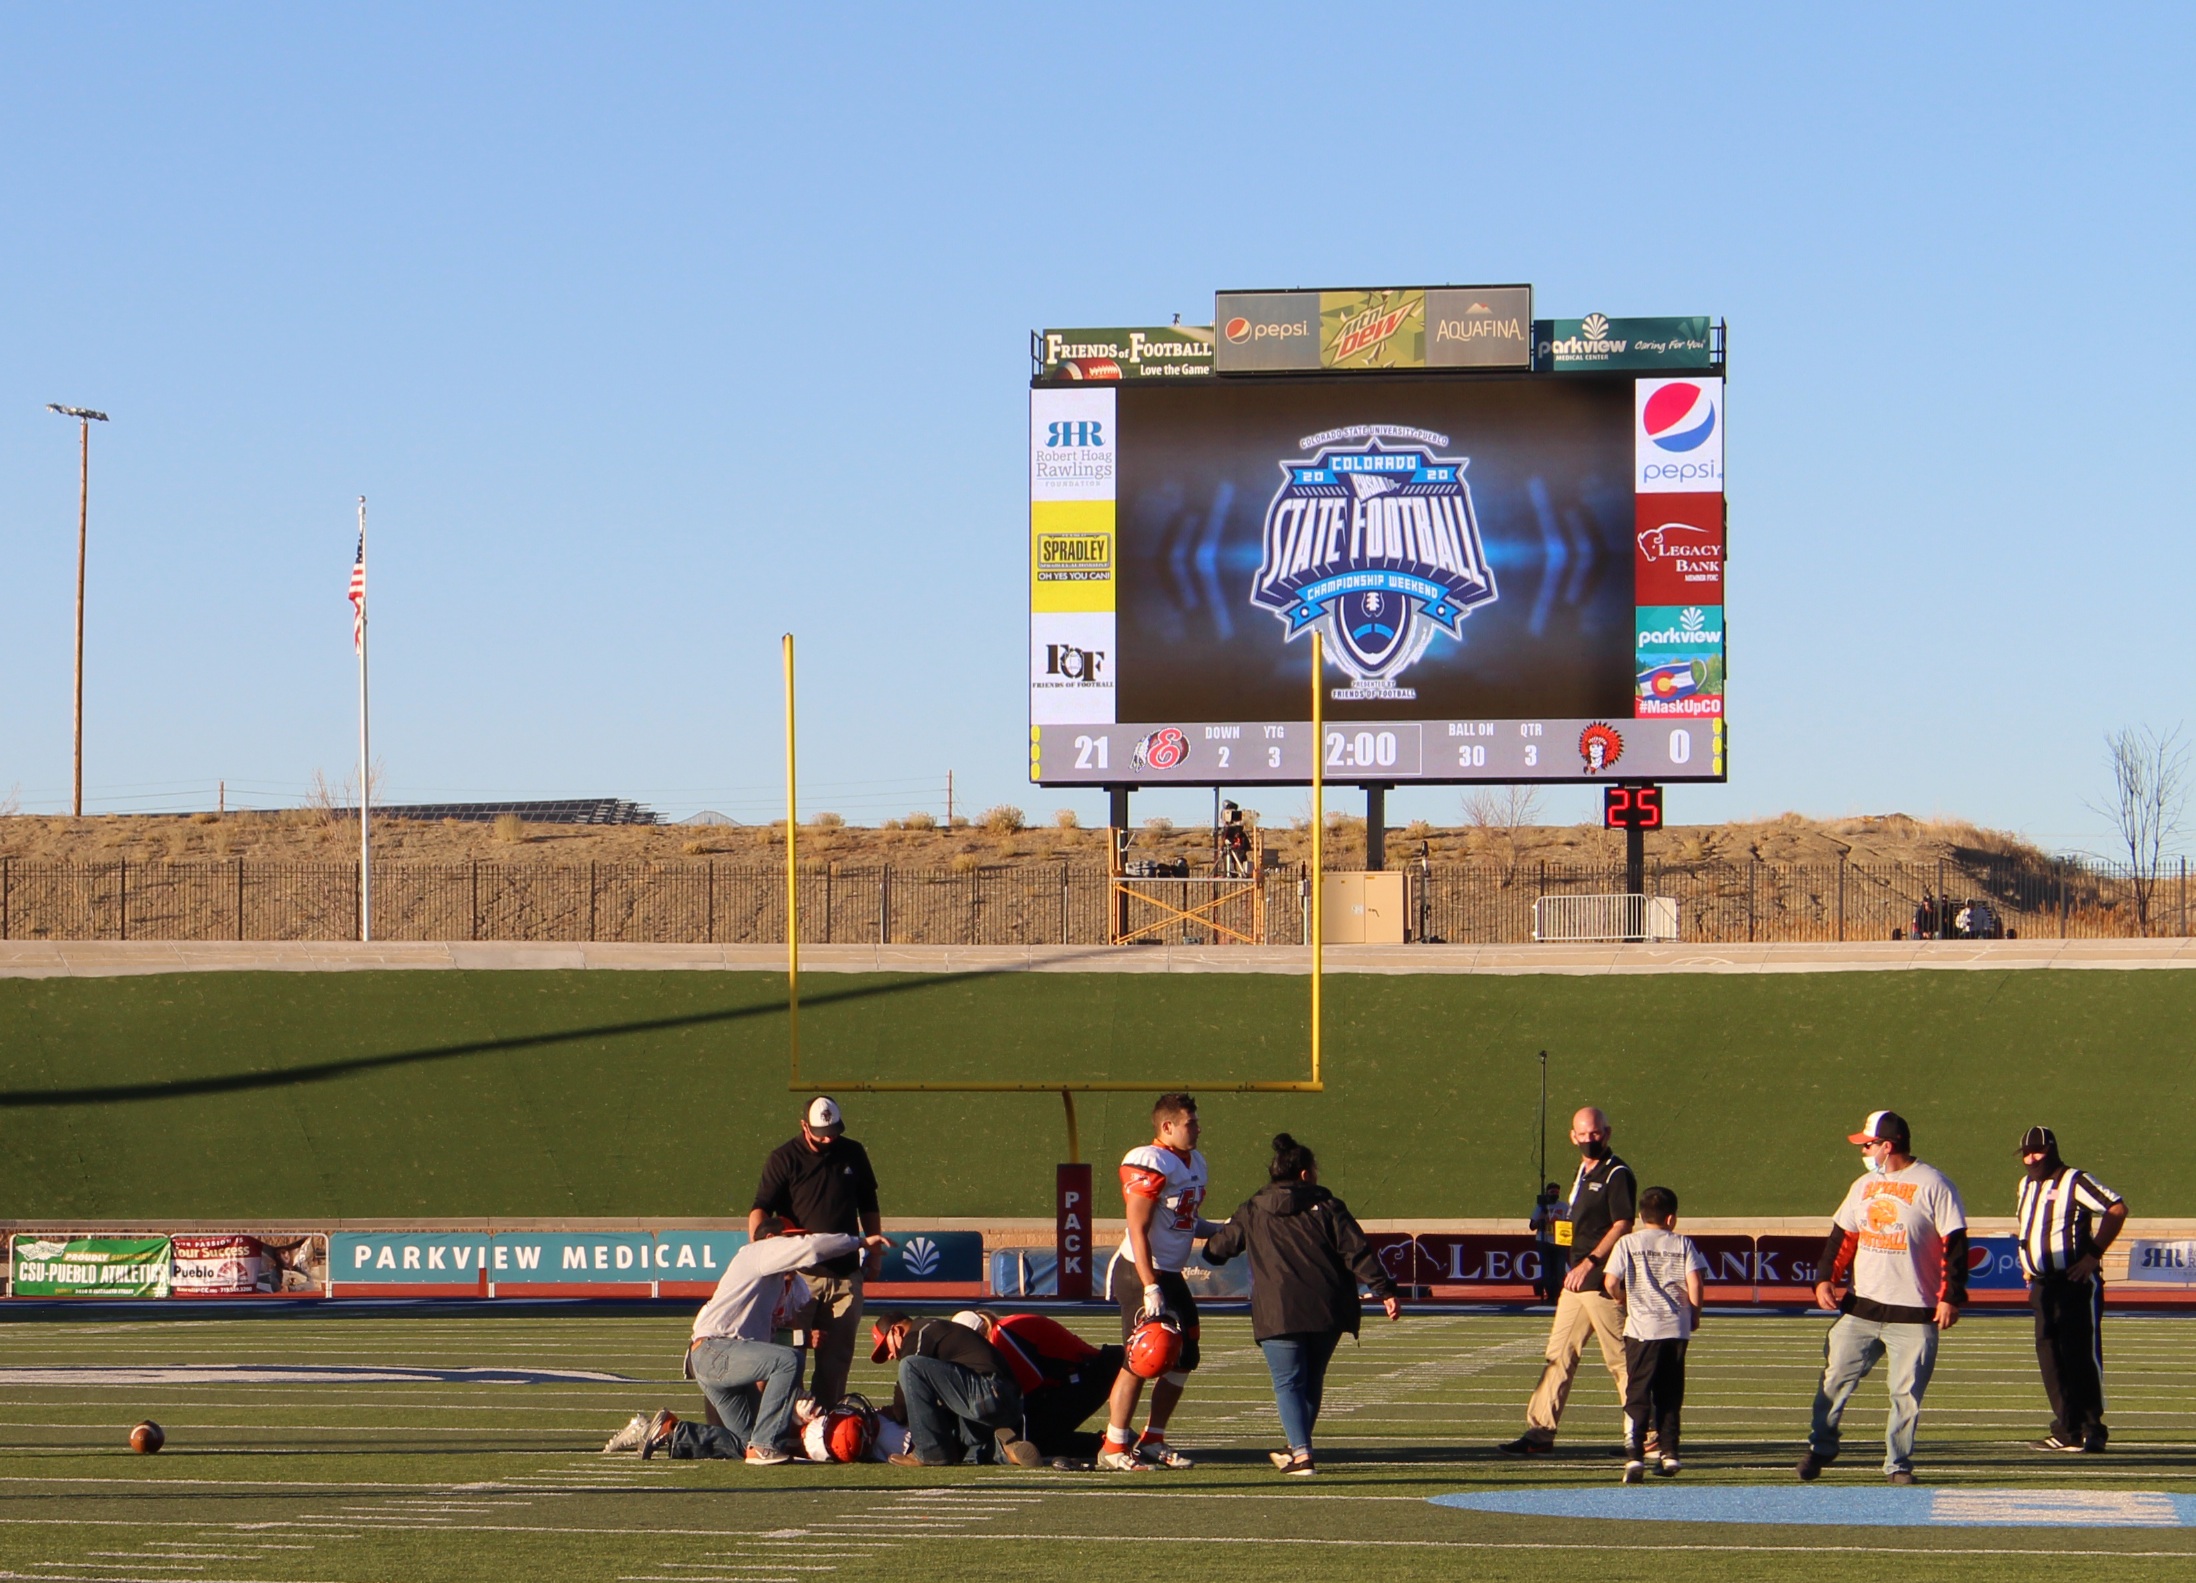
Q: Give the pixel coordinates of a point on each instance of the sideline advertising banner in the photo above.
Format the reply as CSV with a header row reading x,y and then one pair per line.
x,y
239,1264
1596,343
70,1266
1167,351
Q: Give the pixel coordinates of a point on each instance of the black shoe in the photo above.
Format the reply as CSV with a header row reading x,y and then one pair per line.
x,y
1526,1446
1900,1477
2054,1443
1811,1466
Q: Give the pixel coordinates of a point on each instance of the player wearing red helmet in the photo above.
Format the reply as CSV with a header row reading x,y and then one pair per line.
x,y
1162,1184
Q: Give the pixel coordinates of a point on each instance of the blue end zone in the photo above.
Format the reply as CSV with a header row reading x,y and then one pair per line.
x,y
1843,1508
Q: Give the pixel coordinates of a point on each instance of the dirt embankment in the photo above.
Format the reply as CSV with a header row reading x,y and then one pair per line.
x,y
312,837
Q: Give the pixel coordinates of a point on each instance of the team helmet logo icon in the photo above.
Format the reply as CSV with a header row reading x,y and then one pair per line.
x,y
1679,417
1600,745
1164,749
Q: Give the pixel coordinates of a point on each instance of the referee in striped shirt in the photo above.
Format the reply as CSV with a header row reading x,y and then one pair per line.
x,y
2068,1219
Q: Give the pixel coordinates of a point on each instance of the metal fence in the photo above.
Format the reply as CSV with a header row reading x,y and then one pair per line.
x,y
1042,903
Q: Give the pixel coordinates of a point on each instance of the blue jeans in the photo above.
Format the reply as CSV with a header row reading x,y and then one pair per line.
x,y
952,1411
1298,1364
1853,1347
751,1385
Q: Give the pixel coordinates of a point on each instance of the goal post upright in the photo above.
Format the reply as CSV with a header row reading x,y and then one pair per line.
x,y
792,883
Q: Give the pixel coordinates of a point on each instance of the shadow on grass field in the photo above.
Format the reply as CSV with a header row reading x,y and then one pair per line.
x,y
388,1095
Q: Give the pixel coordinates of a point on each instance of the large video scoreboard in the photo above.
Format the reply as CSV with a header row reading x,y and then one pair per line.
x,y
1517,571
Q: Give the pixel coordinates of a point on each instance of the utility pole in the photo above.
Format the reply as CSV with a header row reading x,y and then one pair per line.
x,y
85,418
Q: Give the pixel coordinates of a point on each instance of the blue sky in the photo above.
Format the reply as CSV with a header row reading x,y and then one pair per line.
x,y
654,333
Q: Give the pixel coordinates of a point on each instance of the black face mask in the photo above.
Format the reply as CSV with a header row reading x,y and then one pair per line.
x,y
1595,1148
2047,1167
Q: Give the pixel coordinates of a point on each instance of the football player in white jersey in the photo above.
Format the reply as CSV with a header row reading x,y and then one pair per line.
x,y
1162,1184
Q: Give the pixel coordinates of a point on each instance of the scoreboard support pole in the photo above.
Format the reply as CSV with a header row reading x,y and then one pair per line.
x,y
1319,825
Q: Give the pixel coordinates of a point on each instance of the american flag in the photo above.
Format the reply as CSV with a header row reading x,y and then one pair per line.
x,y
358,598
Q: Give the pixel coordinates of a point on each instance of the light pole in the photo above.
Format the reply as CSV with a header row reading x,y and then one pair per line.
x,y
85,418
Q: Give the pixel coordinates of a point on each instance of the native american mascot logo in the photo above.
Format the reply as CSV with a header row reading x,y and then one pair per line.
x,y
1374,543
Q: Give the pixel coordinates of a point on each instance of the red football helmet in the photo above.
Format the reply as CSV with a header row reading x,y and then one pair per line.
x,y
850,1429
1154,1347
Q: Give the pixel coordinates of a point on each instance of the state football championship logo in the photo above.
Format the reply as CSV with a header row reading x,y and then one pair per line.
x,y
1374,543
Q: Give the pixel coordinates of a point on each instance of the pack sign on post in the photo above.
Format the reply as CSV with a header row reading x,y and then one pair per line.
x,y
1071,1228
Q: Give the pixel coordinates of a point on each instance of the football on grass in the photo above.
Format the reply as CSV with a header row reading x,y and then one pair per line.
x,y
147,1438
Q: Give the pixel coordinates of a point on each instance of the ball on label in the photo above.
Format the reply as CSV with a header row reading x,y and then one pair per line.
x,y
147,1438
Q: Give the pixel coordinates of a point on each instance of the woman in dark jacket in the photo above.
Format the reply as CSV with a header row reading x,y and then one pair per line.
x,y
1308,1259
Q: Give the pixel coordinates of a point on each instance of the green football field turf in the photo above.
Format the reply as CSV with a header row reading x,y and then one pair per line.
x,y
340,1478
449,1094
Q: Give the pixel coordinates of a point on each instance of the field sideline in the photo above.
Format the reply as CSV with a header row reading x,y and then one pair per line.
x,y
382,1095
349,1477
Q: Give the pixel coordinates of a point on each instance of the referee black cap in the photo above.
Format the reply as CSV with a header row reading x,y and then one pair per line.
x,y
2039,1140
1885,1126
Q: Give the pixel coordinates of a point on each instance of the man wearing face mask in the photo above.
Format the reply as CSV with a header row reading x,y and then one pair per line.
x,y
2068,1219
1902,1233
1601,1208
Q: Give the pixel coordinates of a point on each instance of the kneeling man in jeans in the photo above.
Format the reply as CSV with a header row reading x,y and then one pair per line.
x,y
956,1394
747,1377
1903,1234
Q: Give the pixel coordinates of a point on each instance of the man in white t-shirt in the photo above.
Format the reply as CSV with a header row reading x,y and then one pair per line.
x,y
1162,1185
1657,1276
1902,1233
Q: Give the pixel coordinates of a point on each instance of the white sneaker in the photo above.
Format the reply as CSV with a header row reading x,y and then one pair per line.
x,y
1122,1460
1671,1467
1161,1455
631,1438
1635,1471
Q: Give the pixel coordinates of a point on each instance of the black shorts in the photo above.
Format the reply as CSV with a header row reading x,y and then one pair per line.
x,y
1129,1291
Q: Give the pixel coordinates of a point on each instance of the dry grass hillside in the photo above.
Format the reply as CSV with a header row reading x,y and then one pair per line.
x,y
1000,837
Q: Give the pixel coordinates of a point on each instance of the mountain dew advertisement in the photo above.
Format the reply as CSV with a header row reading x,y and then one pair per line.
x,y
1680,661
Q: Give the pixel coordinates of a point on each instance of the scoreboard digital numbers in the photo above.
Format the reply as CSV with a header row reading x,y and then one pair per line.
x,y
1631,808
1517,573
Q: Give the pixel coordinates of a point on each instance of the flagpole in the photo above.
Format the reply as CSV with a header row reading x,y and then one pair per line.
x,y
365,760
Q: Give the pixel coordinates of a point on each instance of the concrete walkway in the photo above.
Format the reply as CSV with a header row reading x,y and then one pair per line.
x,y
109,958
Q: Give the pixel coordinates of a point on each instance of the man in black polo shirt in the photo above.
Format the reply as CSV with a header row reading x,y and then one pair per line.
x,y
1601,1208
821,1182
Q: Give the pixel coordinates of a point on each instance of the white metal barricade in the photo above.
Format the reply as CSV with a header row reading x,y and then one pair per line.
x,y
1605,918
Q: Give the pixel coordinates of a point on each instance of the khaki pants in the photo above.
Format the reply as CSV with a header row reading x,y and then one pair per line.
x,y
1577,1315
834,1325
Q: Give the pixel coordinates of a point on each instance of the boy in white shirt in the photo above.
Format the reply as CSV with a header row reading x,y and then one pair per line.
x,y
1655,1275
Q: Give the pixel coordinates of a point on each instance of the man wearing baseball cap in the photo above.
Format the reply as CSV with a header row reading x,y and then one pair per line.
x,y
821,1182
2068,1218
1901,1234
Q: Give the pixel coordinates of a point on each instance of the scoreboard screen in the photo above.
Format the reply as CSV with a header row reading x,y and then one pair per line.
x,y
1515,578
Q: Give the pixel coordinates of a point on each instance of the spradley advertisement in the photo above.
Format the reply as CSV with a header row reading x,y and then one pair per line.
x,y
1168,351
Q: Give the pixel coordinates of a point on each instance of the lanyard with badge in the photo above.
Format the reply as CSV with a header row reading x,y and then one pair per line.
x,y
1570,1206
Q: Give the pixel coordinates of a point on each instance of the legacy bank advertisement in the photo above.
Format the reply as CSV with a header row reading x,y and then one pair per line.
x,y
1513,579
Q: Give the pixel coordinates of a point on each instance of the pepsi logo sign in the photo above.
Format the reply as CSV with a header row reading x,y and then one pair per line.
x,y
1678,436
1679,417
1239,330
